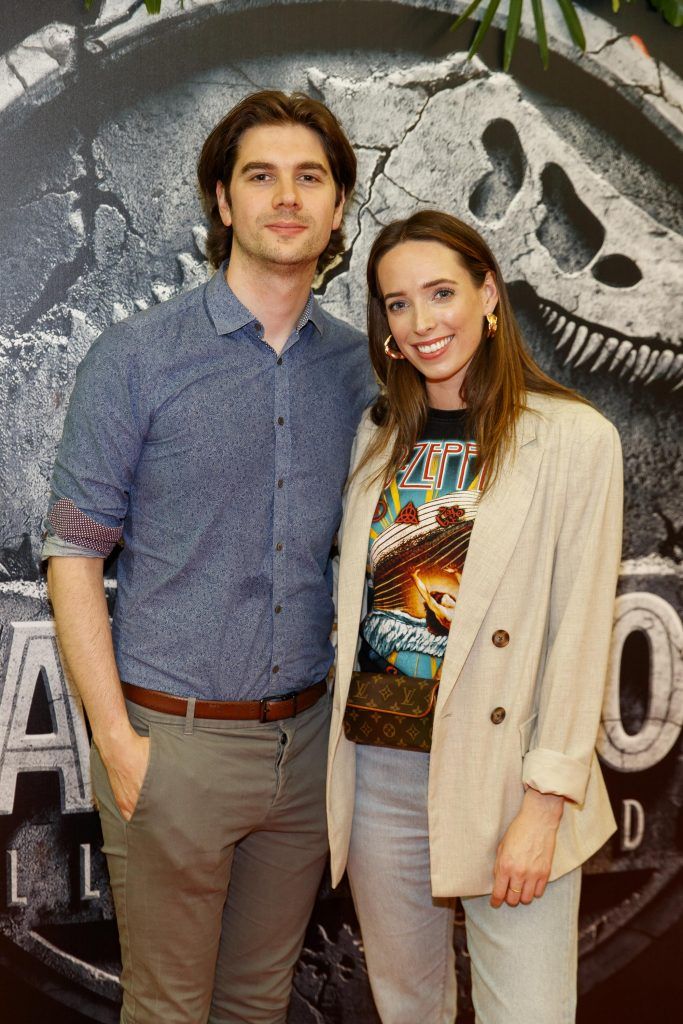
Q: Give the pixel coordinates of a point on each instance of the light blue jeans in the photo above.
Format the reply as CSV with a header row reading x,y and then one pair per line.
x,y
524,958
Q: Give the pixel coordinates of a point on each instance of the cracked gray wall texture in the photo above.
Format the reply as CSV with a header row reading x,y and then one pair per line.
x,y
100,218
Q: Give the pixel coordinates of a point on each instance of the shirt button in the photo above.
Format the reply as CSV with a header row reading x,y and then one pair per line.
x,y
276,669
278,546
278,609
281,482
281,420
279,360
258,326
501,638
497,715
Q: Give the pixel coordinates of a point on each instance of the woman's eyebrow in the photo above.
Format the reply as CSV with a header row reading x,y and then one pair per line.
x,y
427,284
441,280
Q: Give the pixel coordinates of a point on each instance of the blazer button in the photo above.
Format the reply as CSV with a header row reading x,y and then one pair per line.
x,y
497,715
501,638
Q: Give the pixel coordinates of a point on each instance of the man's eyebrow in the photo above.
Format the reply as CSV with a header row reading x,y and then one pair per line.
x,y
312,165
256,165
264,165
427,284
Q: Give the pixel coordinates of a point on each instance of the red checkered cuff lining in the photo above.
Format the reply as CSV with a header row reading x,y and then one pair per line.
x,y
73,526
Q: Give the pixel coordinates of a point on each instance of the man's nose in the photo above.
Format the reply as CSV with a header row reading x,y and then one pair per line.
x,y
287,194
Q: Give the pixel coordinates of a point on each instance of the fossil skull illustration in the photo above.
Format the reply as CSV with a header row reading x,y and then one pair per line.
x,y
603,270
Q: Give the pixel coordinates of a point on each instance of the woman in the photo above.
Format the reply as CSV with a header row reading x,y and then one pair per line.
x,y
492,555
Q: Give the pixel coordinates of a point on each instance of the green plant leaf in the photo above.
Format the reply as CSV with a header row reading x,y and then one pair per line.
x,y
483,27
541,36
573,24
153,6
672,10
511,32
465,15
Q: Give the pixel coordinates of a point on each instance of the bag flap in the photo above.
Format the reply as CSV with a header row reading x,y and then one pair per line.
x,y
392,694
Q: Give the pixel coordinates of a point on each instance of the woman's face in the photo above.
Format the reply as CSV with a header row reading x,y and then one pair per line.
x,y
436,314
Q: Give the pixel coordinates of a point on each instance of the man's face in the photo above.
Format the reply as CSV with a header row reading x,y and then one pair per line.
x,y
282,203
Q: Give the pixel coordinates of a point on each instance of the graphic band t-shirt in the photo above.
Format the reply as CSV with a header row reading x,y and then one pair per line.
x,y
418,543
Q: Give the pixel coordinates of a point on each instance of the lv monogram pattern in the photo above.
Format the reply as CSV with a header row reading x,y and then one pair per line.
x,y
386,710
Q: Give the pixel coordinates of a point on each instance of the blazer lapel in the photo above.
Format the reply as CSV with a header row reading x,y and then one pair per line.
x,y
497,526
361,502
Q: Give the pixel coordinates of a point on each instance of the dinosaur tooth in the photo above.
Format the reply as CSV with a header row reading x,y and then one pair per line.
x,y
566,335
577,344
642,356
550,317
592,345
664,361
559,324
607,349
620,354
675,367
650,364
628,362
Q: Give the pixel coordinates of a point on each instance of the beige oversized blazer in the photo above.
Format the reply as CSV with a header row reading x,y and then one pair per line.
x,y
541,568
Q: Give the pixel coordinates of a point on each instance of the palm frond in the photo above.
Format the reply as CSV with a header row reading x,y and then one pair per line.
x,y
483,27
511,32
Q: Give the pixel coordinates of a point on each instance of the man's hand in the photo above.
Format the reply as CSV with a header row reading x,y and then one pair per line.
x,y
82,619
525,853
126,765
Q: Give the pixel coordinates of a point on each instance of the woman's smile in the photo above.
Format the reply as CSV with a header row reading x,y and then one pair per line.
x,y
432,349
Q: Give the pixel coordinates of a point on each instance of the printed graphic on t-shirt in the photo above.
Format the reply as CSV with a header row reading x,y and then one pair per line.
x,y
418,543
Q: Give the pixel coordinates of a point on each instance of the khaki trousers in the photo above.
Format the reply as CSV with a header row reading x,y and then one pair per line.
x,y
215,875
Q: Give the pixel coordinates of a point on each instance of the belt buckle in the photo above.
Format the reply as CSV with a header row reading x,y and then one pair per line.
x,y
277,699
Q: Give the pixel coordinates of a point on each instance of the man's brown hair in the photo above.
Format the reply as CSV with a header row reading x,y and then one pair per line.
x,y
270,107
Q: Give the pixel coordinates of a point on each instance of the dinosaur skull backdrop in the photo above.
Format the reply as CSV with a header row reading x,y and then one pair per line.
x,y
101,123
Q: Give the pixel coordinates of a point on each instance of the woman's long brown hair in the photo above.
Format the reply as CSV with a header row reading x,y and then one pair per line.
x,y
498,379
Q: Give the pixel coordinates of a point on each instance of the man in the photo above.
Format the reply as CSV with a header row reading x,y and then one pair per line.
x,y
212,434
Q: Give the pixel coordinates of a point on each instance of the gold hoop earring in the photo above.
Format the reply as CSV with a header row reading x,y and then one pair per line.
x,y
492,321
388,351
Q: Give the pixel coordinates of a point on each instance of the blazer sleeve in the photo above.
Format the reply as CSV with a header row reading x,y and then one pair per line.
x,y
363,433
585,572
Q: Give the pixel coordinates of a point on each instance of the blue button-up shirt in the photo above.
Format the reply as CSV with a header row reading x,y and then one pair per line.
x,y
221,466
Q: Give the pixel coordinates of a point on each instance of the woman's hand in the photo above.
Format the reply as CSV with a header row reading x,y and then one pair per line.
x,y
525,853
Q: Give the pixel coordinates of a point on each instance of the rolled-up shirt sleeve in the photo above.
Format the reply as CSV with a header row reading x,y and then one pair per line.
x,y
54,545
99,451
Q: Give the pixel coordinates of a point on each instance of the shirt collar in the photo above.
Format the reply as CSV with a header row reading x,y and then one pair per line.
x,y
312,312
229,314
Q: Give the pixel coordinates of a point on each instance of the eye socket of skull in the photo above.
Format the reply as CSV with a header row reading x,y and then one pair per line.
x,y
571,233
617,271
494,192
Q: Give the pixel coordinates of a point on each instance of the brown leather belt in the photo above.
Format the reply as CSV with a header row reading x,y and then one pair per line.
x,y
269,709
